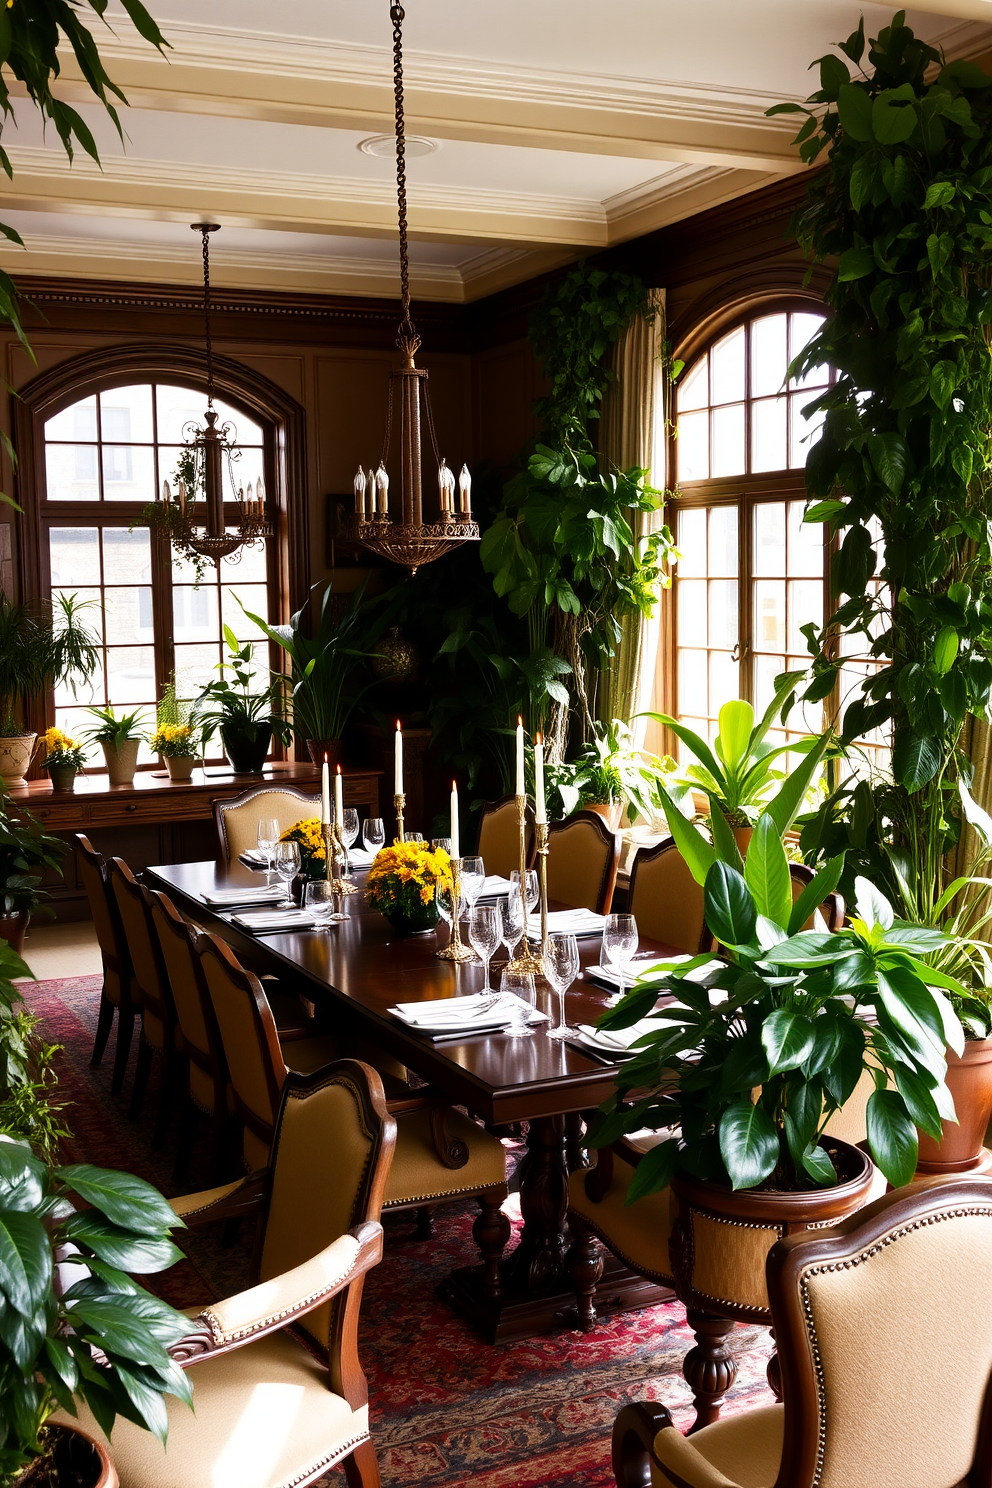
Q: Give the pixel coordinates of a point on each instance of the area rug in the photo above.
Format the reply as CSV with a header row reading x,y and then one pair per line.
x,y
447,1409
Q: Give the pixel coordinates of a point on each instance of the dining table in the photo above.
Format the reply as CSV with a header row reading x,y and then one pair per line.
x,y
354,972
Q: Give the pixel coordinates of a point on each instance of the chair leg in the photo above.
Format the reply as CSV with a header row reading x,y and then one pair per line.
x,y
145,1056
104,1024
710,1368
491,1232
361,1469
584,1262
125,1030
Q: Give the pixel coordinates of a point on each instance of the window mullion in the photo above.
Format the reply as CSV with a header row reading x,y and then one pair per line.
x,y
745,601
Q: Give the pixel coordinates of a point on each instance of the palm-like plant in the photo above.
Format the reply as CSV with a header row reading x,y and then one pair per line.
x,y
41,646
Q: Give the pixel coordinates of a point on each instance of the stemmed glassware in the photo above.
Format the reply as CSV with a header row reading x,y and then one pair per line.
x,y
531,889
286,862
266,836
511,920
561,967
473,876
322,902
620,943
413,836
516,985
349,834
484,936
445,894
374,834
441,844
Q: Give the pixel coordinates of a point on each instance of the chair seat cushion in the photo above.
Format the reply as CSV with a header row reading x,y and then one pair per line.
x,y
418,1174
264,1419
639,1234
745,1449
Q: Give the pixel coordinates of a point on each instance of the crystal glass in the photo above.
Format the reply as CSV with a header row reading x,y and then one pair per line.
x,y
266,836
441,844
531,887
443,896
518,984
561,967
349,826
323,903
484,935
286,862
414,836
374,834
620,943
473,878
511,920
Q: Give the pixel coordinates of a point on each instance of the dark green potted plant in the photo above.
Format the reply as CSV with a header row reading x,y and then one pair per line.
x,y
120,738
74,1323
64,758
29,1110
245,715
610,775
41,646
24,849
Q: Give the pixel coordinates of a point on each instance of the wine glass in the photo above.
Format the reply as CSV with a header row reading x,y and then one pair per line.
x,y
561,967
349,834
441,844
286,862
473,878
531,885
322,902
518,987
445,896
511,919
414,836
374,834
266,836
484,935
620,943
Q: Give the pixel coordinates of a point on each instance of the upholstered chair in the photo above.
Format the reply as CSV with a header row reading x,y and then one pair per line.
x,y
237,819
872,1316
115,994
583,857
441,1154
499,836
279,1393
666,900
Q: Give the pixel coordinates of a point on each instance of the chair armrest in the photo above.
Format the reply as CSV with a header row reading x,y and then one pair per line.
x,y
451,1151
644,1433
231,1201
273,1304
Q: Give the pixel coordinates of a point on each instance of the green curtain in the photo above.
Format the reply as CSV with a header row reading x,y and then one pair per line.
x,y
632,433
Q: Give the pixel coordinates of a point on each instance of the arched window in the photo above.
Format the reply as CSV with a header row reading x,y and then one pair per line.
x,y
751,573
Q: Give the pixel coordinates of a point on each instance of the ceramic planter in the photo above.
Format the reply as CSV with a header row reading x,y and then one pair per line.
x,y
15,757
63,777
13,928
122,760
425,917
610,811
180,767
246,745
319,747
79,1460
962,1149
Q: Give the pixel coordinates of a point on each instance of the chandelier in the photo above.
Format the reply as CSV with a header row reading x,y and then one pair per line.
x,y
209,450
409,540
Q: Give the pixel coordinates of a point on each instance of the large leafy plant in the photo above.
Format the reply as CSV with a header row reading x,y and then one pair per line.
x,y
41,646
611,768
234,697
86,1330
903,207
25,849
28,1108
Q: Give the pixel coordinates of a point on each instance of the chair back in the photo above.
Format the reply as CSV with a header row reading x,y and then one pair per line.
x,y
149,982
110,935
251,1046
831,911
177,943
875,1316
499,836
583,857
666,900
237,819
331,1151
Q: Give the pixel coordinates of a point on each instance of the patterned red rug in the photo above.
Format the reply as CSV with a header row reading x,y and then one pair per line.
x,y
447,1409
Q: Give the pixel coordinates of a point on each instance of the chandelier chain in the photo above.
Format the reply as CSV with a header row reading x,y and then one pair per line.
x,y
205,234
406,331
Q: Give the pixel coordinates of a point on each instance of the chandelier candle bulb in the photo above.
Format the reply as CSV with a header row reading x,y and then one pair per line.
x,y
360,485
382,491
540,810
455,845
325,794
521,778
465,490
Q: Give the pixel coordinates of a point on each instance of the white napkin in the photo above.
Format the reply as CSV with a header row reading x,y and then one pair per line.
x,y
618,1040
494,887
247,894
261,922
360,857
610,976
568,921
447,1014
255,856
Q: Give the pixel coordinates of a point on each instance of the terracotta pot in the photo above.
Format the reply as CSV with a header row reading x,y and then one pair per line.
x,y
13,928
961,1148
122,760
15,757
180,767
319,747
63,777
610,811
742,836
721,1237
80,1461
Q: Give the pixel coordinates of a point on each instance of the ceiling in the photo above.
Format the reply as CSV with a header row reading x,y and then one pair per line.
x,y
561,127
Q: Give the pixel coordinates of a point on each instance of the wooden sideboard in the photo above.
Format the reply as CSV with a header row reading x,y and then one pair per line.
x,y
158,820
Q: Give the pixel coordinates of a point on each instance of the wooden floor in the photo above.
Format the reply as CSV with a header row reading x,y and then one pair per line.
x,y
62,950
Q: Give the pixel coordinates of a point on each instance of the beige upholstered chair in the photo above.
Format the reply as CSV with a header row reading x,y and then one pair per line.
x,y
115,994
269,1409
872,1316
499,836
666,900
237,819
441,1154
583,857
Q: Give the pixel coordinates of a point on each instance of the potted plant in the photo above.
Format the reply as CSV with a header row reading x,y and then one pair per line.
x,y
28,1110
323,669
246,719
24,848
402,885
611,776
120,739
176,736
77,1325
64,758
41,646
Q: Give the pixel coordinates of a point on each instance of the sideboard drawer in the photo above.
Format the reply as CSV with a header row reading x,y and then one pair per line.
x,y
63,816
121,810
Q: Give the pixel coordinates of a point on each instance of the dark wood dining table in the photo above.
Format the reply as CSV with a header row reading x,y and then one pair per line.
x,y
359,968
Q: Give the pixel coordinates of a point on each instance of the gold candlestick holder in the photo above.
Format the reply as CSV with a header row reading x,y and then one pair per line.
x,y
455,950
541,830
526,959
334,849
399,801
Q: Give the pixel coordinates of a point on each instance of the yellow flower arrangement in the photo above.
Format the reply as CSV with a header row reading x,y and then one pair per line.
x,y
175,741
403,878
309,834
62,749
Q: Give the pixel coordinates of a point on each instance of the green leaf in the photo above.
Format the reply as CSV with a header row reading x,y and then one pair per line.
x,y
854,108
939,194
724,841
749,1144
945,649
810,948
890,457
25,1260
113,1325
766,872
784,807
855,263
833,75
736,721
892,1138
916,758
871,904
787,1038
730,911
126,1200
820,887
654,1172
690,842
121,1247
893,115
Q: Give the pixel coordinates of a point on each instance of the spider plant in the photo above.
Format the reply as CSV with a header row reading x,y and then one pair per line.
x,y
41,646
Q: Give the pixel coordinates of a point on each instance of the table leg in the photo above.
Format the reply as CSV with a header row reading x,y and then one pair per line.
x,y
538,1263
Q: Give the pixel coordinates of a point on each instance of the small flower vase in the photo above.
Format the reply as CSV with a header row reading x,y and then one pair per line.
x,y
180,767
63,777
416,921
